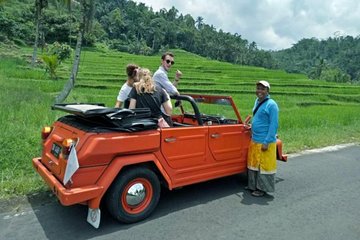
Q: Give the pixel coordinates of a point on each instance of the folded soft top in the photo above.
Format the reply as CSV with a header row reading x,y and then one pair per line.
x,y
97,117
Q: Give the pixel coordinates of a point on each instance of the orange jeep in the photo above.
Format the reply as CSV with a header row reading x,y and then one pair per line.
x,y
120,156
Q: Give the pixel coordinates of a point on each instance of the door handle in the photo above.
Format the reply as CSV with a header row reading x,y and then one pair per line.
x,y
169,140
215,135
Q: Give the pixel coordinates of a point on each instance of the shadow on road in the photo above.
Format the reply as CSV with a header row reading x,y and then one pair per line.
x,y
248,199
59,222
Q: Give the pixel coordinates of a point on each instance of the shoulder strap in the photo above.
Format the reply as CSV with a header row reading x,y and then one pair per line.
x,y
258,106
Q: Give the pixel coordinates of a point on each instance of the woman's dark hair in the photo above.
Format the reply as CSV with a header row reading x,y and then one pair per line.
x,y
131,70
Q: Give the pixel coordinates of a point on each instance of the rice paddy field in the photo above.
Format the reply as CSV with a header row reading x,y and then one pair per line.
x,y
312,113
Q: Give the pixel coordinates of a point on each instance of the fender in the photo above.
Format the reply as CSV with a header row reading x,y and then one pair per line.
x,y
279,155
115,167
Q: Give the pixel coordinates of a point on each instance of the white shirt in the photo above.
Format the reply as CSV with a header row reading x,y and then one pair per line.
x,y
161,79
124,92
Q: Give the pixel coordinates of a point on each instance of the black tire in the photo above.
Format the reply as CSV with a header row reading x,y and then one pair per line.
x,y
117,199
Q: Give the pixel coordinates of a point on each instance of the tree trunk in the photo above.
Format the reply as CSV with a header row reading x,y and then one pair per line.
x,y
87,15
38,10
71,82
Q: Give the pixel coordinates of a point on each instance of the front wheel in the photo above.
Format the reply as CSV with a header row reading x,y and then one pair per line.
x,y
134,195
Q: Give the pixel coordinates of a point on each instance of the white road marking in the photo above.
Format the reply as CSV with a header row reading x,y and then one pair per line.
x,y
321,150
20,214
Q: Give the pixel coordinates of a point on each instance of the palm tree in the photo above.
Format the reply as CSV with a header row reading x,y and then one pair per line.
x,y
199,22
87,15
39,6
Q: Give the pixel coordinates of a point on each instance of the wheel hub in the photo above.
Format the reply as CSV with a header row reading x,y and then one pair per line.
x,y
136,194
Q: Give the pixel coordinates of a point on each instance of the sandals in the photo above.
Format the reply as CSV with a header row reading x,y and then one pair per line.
x,y
255,193
258,193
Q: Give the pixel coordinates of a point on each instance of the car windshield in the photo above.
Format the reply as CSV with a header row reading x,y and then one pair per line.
x,y
215,106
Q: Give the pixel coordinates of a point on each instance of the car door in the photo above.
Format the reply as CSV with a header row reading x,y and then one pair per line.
x,y
229,142
184,147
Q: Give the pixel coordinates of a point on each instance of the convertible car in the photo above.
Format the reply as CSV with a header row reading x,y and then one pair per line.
x,y
121,158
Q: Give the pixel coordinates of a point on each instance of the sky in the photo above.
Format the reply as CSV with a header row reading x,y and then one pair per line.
x,y
273,24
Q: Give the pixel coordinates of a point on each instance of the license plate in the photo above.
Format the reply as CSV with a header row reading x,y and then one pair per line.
x,y
56,150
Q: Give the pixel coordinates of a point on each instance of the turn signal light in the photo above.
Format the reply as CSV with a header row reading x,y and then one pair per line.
x,y
45,132
67,146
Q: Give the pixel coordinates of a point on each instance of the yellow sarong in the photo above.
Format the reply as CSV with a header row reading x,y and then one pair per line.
x,y
263,161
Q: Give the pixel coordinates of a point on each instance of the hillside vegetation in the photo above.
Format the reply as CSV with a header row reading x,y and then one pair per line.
x,y
335,59
135,28
312,113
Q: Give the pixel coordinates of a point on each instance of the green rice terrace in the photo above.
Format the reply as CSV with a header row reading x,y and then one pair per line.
x,y
312,113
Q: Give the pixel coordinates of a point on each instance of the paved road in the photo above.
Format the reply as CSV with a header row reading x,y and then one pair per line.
x,y
317,197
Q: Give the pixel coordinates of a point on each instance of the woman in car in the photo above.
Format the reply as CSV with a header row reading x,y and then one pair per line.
x,y
145,94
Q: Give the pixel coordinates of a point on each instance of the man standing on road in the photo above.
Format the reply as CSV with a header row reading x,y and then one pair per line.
x,y
161,75
262,152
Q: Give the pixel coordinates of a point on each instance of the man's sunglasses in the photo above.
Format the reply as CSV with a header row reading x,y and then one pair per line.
x,y
168,62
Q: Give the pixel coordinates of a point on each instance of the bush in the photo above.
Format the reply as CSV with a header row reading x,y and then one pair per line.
x,y
102,47
118,45
61,50
52,62
19,42
140,47
334,75
54,55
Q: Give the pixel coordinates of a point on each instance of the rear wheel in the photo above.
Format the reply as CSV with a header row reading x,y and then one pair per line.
x,y
134,195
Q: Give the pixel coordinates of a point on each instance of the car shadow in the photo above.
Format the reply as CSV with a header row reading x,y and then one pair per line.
x,y
60,222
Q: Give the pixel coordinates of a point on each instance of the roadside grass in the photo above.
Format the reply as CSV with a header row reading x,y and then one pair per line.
x,y
24,109
319,126
312,113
